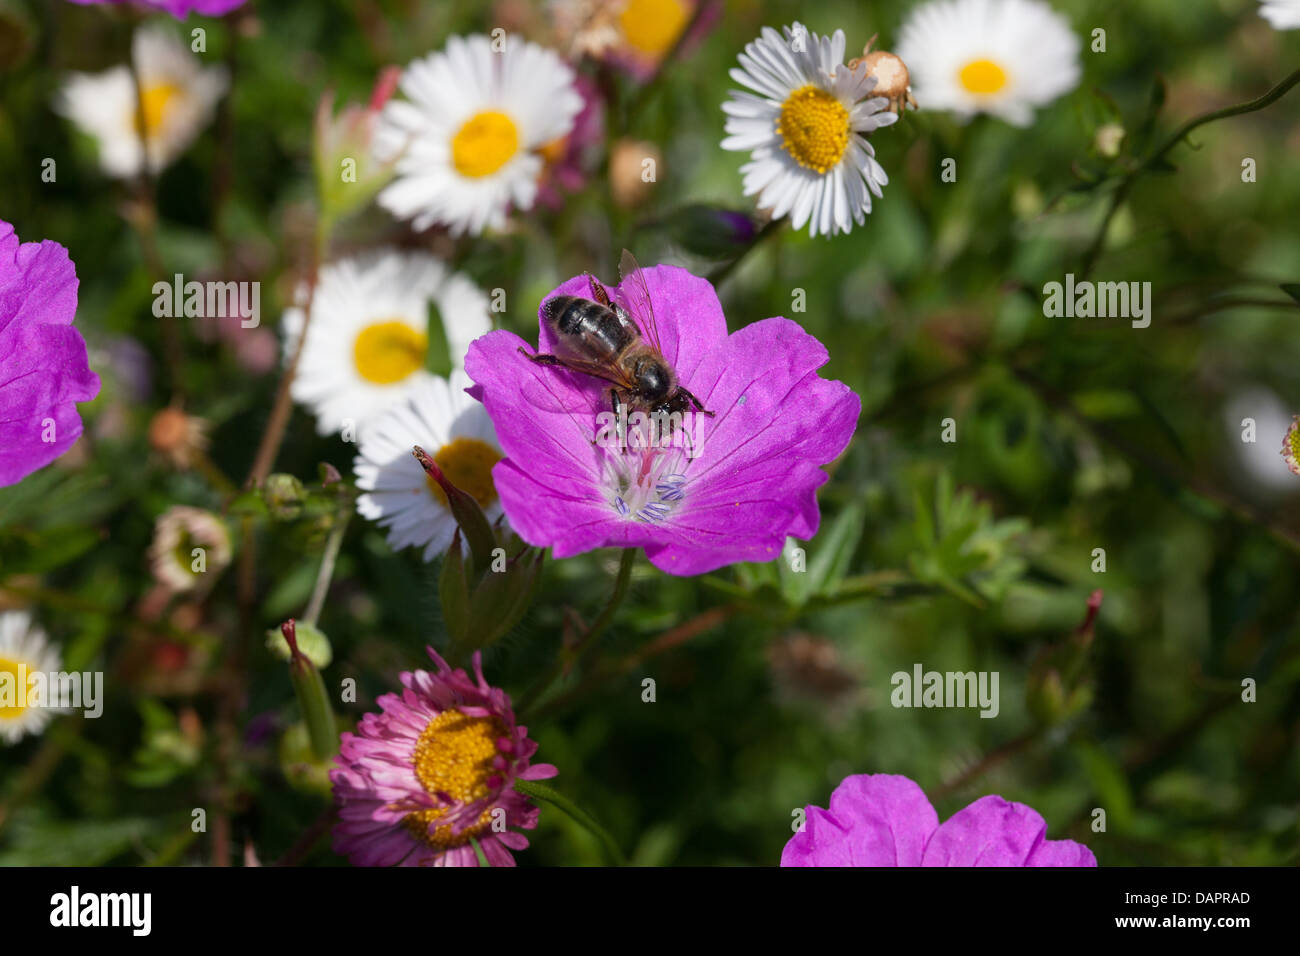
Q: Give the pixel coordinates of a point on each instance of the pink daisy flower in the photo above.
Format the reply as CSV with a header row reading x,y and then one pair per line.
x,y
883,819
435,768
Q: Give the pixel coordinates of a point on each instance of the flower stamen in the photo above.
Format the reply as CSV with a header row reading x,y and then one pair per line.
x,y
814,128
453,761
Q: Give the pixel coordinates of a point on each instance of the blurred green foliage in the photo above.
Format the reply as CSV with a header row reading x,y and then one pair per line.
x,y
772,685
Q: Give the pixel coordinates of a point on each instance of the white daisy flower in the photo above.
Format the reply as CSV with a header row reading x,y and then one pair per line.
x,y
466,138
24,650
178,95
457,433
368,338
1003,57
806,129
1283,14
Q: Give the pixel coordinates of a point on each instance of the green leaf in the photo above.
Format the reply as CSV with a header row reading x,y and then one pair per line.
x,y
38,841
833,549
1109,783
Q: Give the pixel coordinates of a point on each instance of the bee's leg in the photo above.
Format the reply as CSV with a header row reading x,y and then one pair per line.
x,y
598,293
615,400
699,407
541,358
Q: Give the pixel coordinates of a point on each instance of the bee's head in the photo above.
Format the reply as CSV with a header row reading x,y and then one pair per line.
x,y
652,379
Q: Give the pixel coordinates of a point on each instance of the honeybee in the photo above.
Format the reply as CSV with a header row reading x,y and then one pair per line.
x,y
619,343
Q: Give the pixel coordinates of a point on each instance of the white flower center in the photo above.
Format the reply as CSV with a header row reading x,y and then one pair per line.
x,y
645,485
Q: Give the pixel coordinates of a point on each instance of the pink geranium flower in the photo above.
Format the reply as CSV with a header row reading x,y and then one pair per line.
x,y
43,366
180,9
435,768
748,477
885,820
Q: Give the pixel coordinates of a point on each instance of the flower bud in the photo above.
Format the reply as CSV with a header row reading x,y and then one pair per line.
x,y
312,643
313,700
710,231
347,173
284,496
469,516
633,171
178,437
1108,139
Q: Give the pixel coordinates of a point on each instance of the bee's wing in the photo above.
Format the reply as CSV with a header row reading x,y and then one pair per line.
x,y
636,297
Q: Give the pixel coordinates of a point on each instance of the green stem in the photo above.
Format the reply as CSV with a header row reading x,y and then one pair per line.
x,y
1259,103
326,572
598,626
539,791
719,274
1126,184
144,219
58,740
648,89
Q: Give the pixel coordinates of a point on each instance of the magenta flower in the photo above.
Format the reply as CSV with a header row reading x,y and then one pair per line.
x,y
748,478
43,367
436,767
180,9
885,820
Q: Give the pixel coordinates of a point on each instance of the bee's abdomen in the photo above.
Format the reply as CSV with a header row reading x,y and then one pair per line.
x,y
588,327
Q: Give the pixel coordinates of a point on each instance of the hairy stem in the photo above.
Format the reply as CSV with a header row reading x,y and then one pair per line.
x,y
580,653
1126,184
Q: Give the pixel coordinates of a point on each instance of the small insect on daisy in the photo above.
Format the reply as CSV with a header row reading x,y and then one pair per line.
x,y
1002,57
619,343
893,81
806,125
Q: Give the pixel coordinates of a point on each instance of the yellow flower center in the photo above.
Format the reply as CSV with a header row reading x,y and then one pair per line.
x,y
814,128
653,26
154,101
982,77
484,144
467,463
387,352
10,668
454,757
